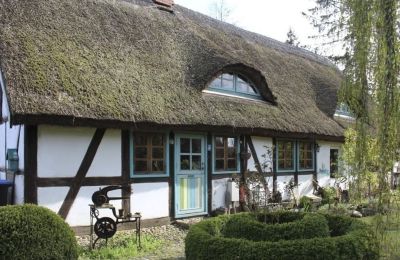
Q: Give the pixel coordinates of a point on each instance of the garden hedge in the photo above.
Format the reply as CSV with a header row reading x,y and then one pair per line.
x,y
248,227
33,232
348,239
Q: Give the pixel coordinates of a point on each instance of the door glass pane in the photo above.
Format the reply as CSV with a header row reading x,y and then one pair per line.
x,y
196,145
158,153
157,166
185,162
141,152
185,145
196,162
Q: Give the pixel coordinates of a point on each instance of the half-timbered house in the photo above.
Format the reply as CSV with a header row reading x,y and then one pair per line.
x,y
140,92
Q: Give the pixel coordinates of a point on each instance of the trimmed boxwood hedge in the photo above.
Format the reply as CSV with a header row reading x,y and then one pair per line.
x,y
349,239
248,227
33,232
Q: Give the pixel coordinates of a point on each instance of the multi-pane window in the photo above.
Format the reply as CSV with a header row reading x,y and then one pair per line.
x,y
334,159
236,84
149,153
226,154
285,160
305,155
294,156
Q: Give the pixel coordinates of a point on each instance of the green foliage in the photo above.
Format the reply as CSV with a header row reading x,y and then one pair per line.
x,y
122,246
354,240
33,232
247,227
305,203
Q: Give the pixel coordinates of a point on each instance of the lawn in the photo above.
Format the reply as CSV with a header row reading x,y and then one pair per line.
x,y
390,238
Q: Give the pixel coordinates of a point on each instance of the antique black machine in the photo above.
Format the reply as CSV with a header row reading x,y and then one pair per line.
x,y
106,227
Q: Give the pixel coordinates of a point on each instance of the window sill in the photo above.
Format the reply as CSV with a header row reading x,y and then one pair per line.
x,y
149,175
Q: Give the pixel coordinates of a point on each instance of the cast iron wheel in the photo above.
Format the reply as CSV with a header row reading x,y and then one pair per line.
x,y
105,227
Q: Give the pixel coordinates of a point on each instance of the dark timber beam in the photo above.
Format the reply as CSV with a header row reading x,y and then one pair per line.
x,y
81,174
254,154
126,203
30,161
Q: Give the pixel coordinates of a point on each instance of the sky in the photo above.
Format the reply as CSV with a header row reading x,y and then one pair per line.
x,y
271,18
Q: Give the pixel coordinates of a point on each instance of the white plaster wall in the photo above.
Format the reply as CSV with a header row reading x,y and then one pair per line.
x,y
323,162
150,199
261,144
219,188
281,182
53,198
305,185
8,140
61,150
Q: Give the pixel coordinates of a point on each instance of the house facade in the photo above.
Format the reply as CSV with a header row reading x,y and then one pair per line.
x,y
159,97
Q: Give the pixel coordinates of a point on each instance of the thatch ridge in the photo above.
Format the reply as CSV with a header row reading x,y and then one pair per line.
x,y
131,62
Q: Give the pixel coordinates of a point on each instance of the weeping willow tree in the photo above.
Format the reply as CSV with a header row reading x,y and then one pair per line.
x,y
369,32
367,29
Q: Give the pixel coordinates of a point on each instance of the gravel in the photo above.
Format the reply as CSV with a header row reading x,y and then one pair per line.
x,y
173,236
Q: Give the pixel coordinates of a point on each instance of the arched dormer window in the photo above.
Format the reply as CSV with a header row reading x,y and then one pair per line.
x,y
235,84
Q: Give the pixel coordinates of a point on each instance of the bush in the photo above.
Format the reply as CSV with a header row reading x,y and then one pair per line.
x,y
206,240
33,232
247,227
305,203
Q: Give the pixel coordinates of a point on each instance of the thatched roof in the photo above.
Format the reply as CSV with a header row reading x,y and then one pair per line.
x,y
129,62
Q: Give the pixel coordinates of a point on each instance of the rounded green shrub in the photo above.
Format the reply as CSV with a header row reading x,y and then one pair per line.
x,y
332,237
248,227
33,232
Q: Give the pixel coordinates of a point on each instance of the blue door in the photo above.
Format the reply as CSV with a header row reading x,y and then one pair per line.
x,y
190,176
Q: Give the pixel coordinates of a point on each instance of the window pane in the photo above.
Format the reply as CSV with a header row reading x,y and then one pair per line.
x,y
158,153
334,155
285,155
196,162
185,145
185,162
231,142
227,82
219,165
251,90
196,145
231,152
141,152
216,83
219,141
231,164
158,140
157,166
140,166
219,153
241,86
140,140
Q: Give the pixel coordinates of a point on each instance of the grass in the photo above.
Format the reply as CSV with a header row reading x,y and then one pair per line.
x,y
389,237
122,246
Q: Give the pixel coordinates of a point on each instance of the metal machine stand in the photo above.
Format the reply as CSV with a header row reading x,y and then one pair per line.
x,y
106,227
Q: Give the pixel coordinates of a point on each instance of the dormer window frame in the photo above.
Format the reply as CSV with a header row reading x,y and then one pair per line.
x,y
235,91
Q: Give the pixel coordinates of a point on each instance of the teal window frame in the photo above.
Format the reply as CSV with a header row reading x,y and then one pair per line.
x,y
235,90
214,171
132,156
299,169
293,156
